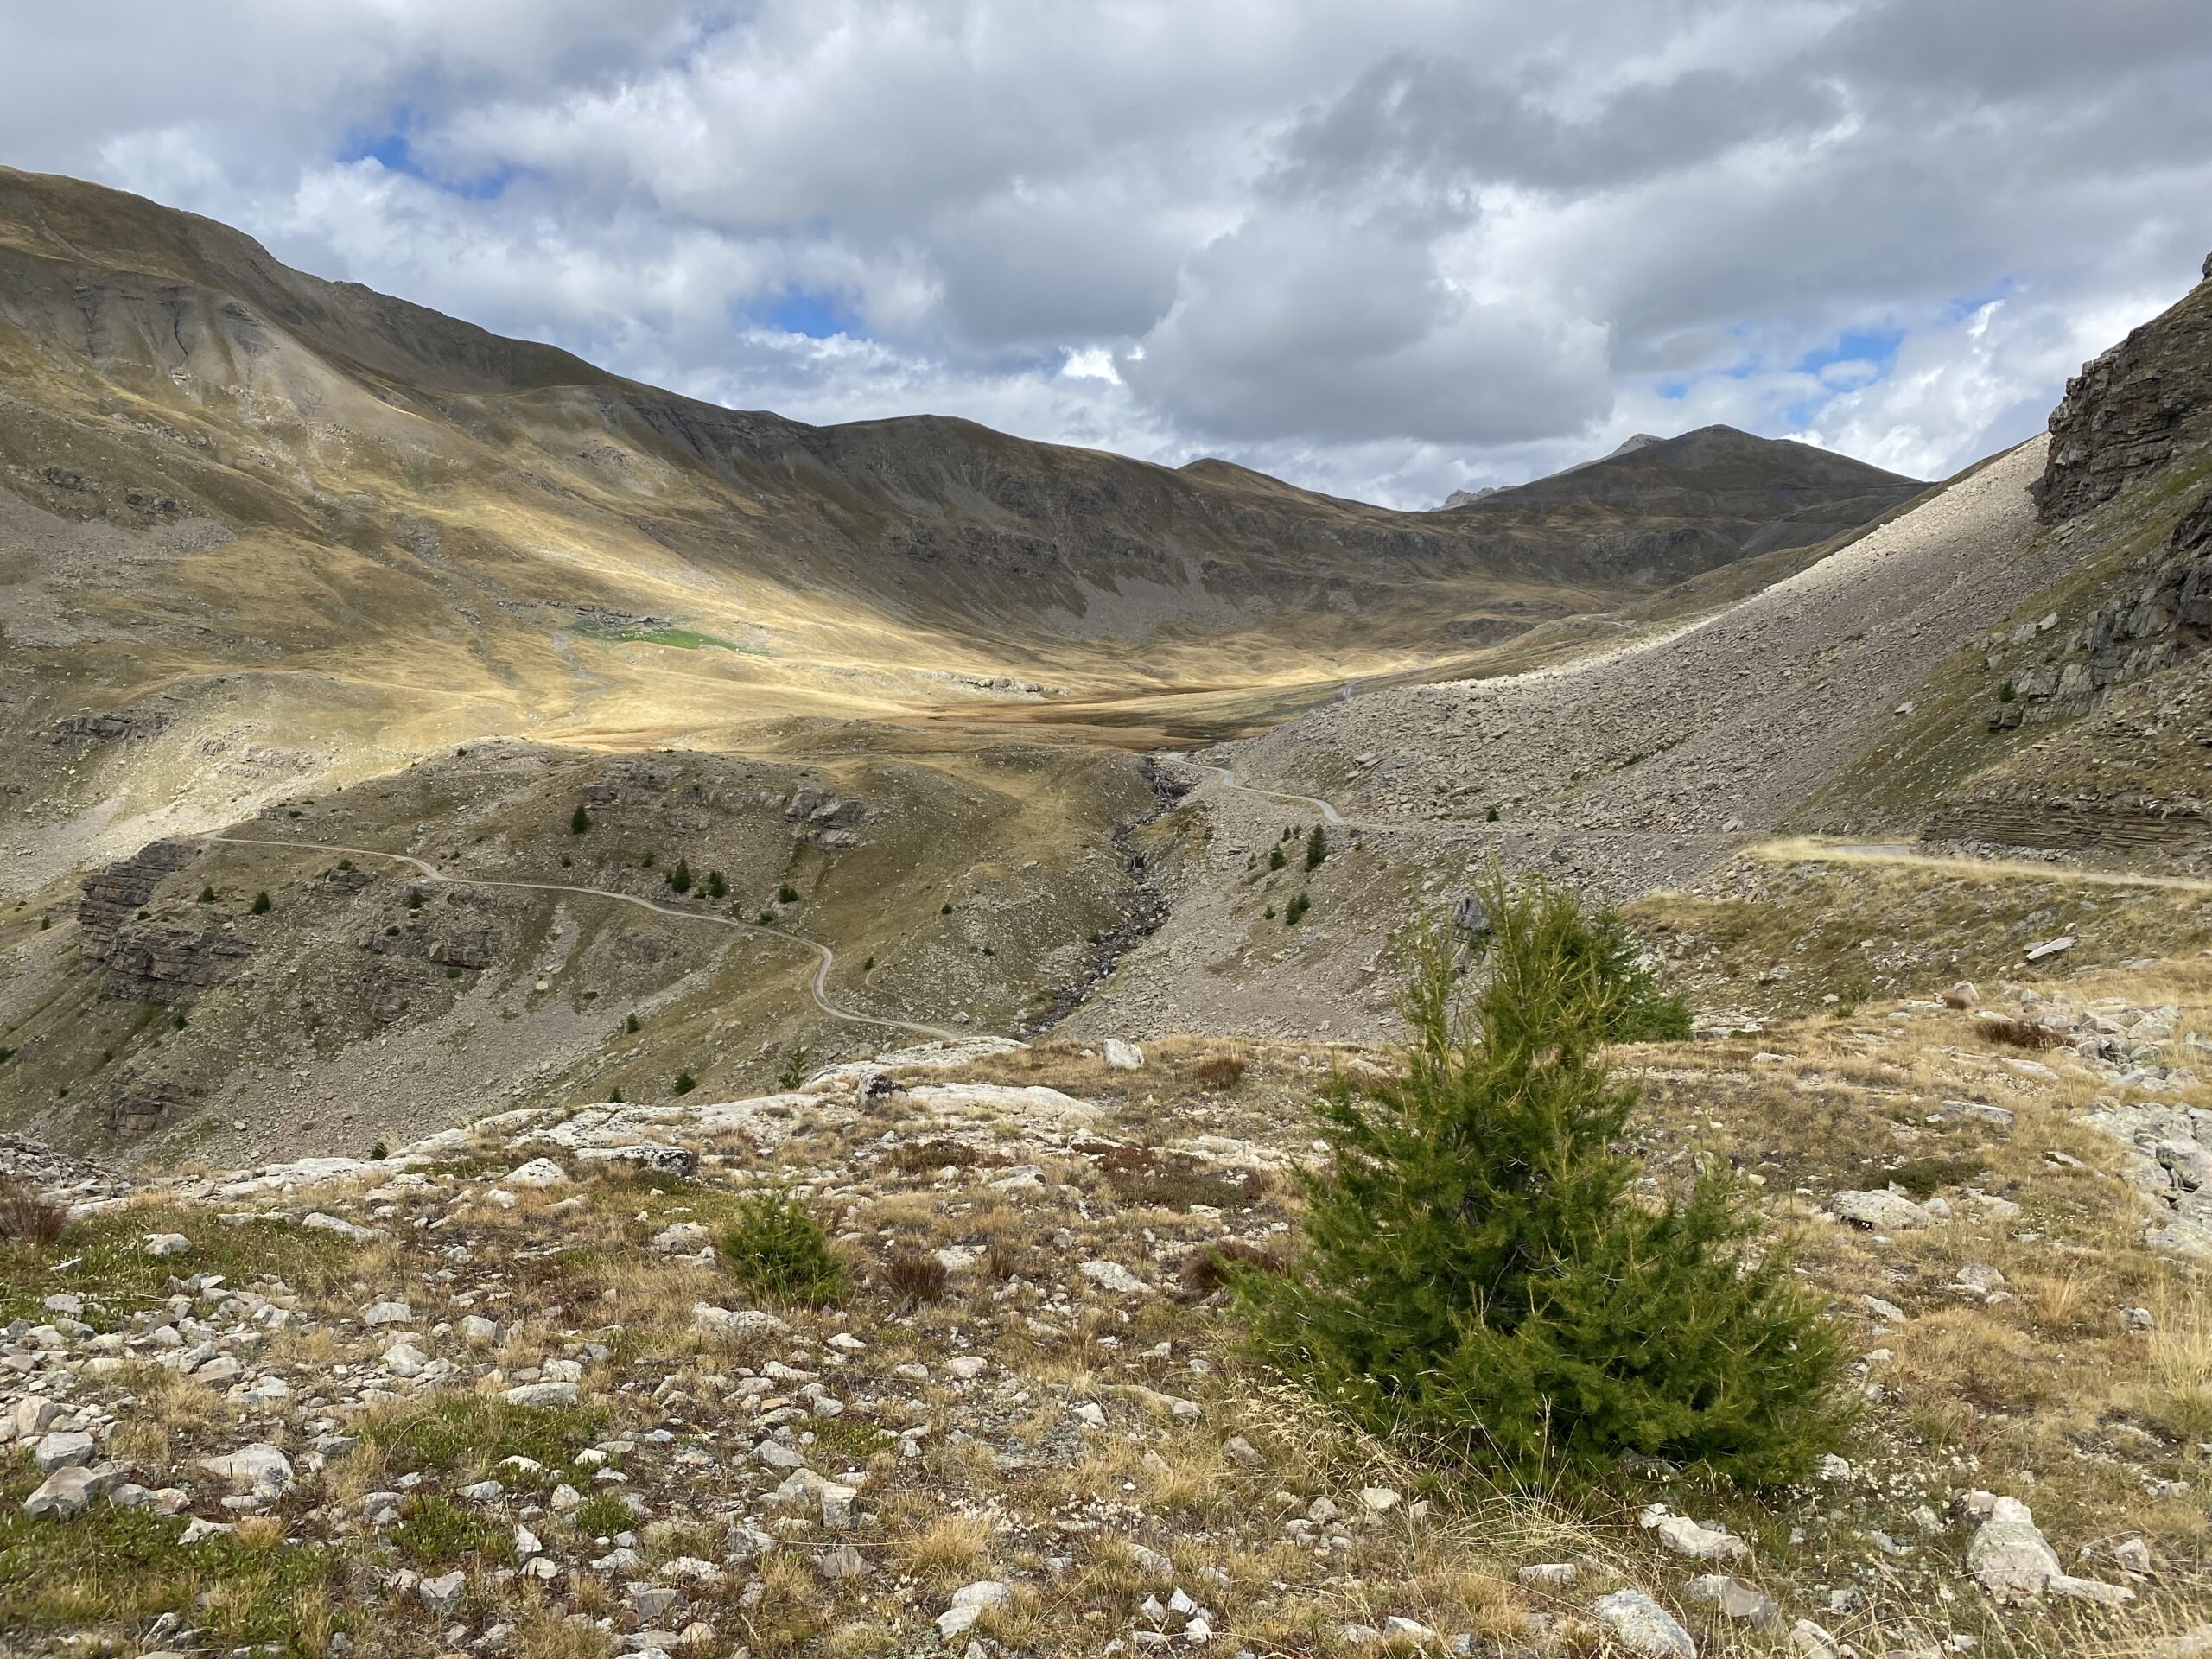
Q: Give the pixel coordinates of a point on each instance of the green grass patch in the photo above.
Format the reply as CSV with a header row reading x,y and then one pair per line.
x,y
113,1272
438,1534
113,1566
467,1432
603,1515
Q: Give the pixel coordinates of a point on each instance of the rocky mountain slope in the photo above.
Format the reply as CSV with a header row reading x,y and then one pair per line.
x,y
508,1391
257,530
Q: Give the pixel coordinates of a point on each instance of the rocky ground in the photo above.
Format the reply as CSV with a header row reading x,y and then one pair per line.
x,y
504,1393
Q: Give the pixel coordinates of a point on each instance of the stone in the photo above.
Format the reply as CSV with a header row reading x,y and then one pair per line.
x,y
1884,1211
1643,1627
969,1603
1397,1629
405,1359
441,1595
1686,1537
1123,1056
2092,1589
1552,1575
2051,948
1731,1597
968,1367
478,1332
167,1244
387,1313
681,1238
652,1158
731,1321
1811,1641
321,1222
261,1469
1378,1500
1152,1563
842,1561
2134,1556
62,1449
650,1601
68,1492
30,1417
809,1492
1112,1275
538,1173
542,1395
2008,1555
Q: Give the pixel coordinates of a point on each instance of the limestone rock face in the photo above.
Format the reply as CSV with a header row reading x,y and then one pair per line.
x,y
2128,409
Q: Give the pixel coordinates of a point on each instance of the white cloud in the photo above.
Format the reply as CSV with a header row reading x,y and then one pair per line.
x,y
1388,249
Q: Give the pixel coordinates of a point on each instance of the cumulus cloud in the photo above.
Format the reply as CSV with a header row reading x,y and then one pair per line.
x,y
1387,250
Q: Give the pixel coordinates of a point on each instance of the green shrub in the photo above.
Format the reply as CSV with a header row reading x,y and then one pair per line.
x,y
787,894
680,877
1276,860
1479,1277
437,1532
1295,910
414,899
777,1247
1491,816
603,1515
717,884
260,904
379,1152
1316,847
207,895
685,1083
630,1023
579,821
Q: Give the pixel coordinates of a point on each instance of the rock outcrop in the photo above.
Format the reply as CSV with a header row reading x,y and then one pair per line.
x,y
115,895
2128,411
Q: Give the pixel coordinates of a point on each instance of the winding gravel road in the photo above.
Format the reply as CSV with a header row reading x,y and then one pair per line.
x,y
818,986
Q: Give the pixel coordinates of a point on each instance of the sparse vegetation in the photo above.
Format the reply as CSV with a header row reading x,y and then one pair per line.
x,y
717,884
685,1083
798,1066
207,894
679,879
579,821
1316,847
1295,912
1219,1072
260,904
26,1218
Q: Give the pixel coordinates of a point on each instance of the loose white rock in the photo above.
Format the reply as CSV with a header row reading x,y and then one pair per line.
x,y
969,1604
1643,1627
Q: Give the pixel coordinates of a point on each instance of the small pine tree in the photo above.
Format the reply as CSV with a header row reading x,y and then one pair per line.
x,y
615,1094
1295,910
260,904
787,894
778,1249
207,895
717,884
414,899
1478,1275
379,1152
1276,860
1316,847
685,1083
630,1023
1491,816
680,877
579,821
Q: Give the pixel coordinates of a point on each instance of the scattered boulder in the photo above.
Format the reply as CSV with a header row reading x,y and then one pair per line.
x,y
1882,1212
969,1603
1731,1597
1643,1627
261,1469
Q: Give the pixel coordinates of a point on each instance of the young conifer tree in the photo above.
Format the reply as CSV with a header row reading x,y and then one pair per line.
x,y
1478,1275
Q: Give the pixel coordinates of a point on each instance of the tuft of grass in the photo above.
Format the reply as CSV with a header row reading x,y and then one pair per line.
x,y
1219,1072
915,1277
26,1218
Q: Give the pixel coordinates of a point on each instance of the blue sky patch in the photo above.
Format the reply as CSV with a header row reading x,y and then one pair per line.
x,y
817,316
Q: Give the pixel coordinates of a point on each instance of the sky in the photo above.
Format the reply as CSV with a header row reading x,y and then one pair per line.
x,y
1388,248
